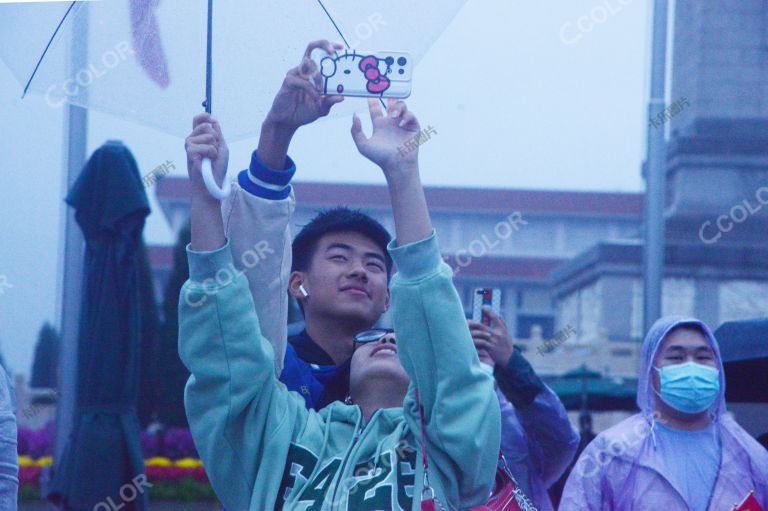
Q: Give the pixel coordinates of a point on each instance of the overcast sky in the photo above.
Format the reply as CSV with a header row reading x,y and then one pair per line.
x,y
564,109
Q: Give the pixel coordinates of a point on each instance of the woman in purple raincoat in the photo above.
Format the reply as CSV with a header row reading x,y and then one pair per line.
x,y
537,439
682,451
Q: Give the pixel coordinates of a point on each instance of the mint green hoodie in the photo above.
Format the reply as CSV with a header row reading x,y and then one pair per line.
x,y
262,449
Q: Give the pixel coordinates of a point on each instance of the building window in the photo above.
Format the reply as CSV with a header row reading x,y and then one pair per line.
x,y
525,322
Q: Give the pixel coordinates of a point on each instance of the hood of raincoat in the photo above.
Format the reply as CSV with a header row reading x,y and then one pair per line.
x,y
621,468
645,393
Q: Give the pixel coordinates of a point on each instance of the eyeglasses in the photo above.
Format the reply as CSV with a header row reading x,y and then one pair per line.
x,y
373,335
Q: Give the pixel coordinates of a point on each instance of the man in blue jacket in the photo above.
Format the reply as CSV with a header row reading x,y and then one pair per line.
x,y
340,266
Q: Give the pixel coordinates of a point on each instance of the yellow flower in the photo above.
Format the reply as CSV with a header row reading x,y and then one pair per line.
x,y
188,463
45,461
26,461
158,462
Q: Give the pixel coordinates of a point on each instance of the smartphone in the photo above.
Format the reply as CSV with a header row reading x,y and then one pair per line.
x,y
367,74
485,296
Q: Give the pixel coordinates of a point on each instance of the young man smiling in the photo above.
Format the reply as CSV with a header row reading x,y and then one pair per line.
x,y
340,276
338,266
424,395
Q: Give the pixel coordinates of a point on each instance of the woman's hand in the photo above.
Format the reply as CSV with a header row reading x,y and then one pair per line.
x,y
493,339
206,141
391,132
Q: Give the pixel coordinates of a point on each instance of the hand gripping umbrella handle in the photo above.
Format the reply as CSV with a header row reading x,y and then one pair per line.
x,y
210,182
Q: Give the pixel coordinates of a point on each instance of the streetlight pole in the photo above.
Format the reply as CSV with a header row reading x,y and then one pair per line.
x,y
653,252
70,296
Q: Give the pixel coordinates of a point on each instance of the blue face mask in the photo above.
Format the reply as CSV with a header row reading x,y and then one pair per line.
x,y
689,387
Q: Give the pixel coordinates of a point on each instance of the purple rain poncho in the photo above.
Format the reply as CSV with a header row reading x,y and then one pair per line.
x,y
620,469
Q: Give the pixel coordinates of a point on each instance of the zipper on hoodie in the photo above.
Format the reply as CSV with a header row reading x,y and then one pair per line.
x,y
359,427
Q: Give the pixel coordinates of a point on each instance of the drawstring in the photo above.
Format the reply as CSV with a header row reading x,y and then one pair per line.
x,y
653,431
376,457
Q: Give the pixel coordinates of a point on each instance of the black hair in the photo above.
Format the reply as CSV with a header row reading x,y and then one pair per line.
x,y
338,219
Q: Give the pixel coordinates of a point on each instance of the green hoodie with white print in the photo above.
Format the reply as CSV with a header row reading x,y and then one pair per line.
x,y
262,449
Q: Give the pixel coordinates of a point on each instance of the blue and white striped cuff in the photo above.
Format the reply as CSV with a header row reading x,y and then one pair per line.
x,y
265,182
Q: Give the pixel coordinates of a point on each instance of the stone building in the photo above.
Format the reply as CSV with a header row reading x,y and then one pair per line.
x,y
716,212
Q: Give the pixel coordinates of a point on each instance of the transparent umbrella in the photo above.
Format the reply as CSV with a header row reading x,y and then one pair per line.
x,y
146,59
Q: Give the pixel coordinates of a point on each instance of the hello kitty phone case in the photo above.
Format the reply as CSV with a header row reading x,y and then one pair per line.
x,y
367,74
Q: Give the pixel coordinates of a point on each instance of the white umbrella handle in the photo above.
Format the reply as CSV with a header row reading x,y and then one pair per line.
x,y
210,182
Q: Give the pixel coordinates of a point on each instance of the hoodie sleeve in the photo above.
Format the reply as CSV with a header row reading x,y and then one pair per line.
x,y
241,417
256,218
461,411
550,439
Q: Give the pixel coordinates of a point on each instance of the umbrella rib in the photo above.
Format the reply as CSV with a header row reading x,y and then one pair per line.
x,y
343,38
45,51
333,21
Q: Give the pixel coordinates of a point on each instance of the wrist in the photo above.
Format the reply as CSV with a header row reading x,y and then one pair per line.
x,y
401,173
504,357
276,129
200,197
273,143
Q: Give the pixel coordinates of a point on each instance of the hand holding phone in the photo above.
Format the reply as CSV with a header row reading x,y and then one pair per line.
x,y
488,329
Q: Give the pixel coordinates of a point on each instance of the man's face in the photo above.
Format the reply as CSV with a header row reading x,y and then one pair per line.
x,y
347,279
680,346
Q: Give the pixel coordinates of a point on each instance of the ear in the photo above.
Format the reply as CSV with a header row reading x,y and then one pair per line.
x,y
386,301
294,281
328,67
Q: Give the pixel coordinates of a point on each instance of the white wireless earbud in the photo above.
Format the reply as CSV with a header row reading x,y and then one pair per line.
x,y
303,291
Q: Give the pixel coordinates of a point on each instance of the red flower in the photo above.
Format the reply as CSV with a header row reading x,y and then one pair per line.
x,y
29,476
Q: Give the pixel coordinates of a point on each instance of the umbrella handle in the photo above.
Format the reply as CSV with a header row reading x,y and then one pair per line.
x,y
210,183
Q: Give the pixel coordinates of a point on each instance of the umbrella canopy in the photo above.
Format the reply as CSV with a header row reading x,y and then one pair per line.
x,y
584,389
103,454
744,348
146,59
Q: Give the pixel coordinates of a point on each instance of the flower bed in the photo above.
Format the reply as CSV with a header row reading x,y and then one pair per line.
x,y
171,464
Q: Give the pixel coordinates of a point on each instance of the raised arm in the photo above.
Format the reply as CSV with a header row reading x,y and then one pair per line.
x,y
239,414
461,412
547,441
391,132
257,213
